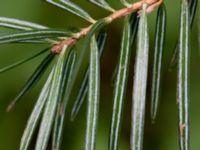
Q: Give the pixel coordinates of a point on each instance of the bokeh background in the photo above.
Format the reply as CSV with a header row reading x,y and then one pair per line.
x,y
163,135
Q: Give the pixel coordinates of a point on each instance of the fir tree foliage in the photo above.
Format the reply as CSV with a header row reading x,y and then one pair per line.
x,y
65,62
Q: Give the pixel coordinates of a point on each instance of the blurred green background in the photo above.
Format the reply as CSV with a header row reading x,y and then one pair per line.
x,y
159,136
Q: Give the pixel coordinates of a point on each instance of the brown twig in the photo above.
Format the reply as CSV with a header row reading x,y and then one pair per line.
x,y
70,41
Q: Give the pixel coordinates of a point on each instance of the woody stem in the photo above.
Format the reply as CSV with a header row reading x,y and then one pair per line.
x,y
70,41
